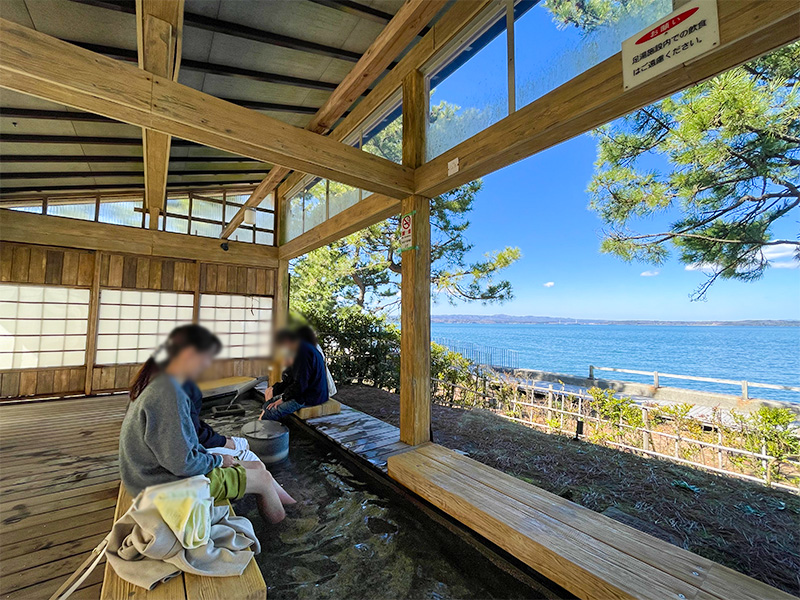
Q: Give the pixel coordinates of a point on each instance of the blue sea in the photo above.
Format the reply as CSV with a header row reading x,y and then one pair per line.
x,y
757,354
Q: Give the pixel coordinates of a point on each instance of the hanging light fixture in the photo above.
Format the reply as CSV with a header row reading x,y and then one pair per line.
x,y
250,216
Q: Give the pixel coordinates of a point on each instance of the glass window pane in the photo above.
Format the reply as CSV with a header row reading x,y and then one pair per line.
x,y
553,46
30,206
244,233
206,210
206,229
341,196
121,211
294,218
385,138
469,92
177,225
268,239
315,205
82,208
178,205
265,220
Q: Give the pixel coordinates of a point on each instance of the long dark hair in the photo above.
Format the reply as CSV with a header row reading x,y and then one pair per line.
x,y
185,336
307,334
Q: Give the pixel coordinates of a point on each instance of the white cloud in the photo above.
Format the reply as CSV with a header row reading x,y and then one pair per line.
x,y
781,256
650,273
703,267
549,284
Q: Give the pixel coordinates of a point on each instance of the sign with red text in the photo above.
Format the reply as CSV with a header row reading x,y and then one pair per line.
x,y
679,37
406,231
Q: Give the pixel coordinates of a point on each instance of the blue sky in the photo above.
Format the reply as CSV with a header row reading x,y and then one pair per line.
x,y
541,205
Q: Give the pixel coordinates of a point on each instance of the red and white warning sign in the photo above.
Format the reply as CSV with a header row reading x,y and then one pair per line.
x,y
406,231
679,37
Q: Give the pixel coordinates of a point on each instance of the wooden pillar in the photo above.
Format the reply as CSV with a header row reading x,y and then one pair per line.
x,y
280,312
415,288
91,327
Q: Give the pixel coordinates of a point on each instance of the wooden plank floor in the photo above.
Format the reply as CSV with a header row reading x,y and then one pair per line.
x,y
59,478
367,437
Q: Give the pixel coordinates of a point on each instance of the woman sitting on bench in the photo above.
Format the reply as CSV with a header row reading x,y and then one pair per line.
x,y
158,442
304,383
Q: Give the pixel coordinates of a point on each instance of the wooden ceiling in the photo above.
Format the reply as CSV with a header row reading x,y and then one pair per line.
x,y
280,57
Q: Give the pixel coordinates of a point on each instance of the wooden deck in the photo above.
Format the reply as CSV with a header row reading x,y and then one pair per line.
x,y
59,478
362,435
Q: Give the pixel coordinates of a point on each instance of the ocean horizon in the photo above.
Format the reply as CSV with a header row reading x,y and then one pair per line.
x,y
762,354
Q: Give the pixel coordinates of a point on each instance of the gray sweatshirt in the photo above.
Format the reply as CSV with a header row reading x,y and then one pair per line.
x,y
158,442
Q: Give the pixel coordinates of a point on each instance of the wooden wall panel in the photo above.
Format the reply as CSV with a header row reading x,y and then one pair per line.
x,y
225,279
29,383
40,265
147,273
115,378
50,265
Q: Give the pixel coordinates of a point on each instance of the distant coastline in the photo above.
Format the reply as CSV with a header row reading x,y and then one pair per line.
x,y
533,320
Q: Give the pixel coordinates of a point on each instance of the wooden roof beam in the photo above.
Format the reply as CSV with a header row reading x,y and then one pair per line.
x,y
158,34
90,158
40,65
90,189
57,231
412,17
105,174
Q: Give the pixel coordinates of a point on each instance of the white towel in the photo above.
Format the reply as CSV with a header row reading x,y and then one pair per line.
x,y
241,450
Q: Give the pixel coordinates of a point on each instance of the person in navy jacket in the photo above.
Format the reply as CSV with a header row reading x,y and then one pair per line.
x,y
304,382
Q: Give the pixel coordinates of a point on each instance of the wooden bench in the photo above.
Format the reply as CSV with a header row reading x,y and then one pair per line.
x,y
249,586
588,554
223,387
331,407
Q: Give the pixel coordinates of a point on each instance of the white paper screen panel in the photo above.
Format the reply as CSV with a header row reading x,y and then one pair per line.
x,y
242,323
132,324
42,326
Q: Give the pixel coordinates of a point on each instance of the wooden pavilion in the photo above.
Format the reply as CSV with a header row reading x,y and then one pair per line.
x,y
153,154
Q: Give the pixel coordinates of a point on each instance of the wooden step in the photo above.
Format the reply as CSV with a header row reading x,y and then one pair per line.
x,y
590,555
331,407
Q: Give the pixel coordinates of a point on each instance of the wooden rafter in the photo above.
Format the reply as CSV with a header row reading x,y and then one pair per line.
x,y
40,65
158,32
412,17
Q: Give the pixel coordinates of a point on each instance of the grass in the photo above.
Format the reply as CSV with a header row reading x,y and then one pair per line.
x,y
743,525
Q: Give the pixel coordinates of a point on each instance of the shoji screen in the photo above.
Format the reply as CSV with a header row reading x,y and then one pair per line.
x,y
133,323
243,323
42,326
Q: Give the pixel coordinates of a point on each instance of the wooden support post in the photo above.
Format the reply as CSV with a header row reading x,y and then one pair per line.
x,y
415,288
91,328
280,313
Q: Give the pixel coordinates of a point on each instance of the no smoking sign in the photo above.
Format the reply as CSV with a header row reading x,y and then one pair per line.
x,y
407,232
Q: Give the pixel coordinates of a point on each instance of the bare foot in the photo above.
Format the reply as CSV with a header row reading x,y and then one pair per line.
x,y
286,499
270,514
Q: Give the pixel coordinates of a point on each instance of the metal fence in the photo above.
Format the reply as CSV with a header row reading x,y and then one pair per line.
x,y
572,414
481,354
657,376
